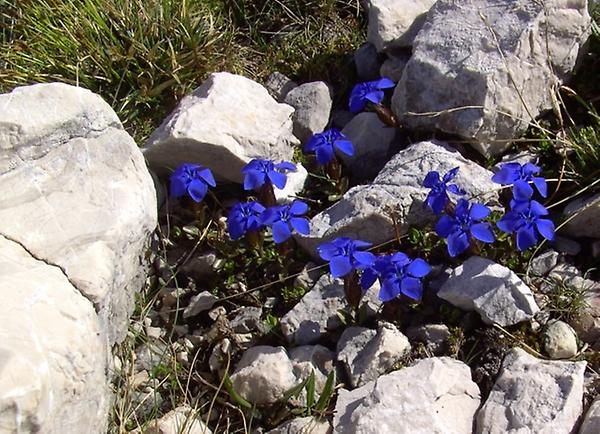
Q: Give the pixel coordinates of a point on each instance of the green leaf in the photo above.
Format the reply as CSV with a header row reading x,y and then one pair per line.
x,y
294,391
326,394
237,398
310,391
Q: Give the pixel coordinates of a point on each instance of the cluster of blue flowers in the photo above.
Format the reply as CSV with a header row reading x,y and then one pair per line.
x,y
462,223
398,274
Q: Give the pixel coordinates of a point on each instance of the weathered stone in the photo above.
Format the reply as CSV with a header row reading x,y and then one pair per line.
x,y
312,104
303,425
263,374
76,193
200,302
366,60
181,420
560,340
365,212
591,421
533,396
434,336
393,66
583,215
566,245
493,291
434,395
484,69
247,319
395,23
308,276
373,143
316,313
542,264
366,354
53,351
312,358
200,266
223,124
279,85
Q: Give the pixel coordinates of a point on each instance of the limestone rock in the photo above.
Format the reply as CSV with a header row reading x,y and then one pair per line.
x,y
312,358
585,215
591,421
76,193
365,211
434,395
395,23
263,374
312,104
247,319
490,289
199,303
393,66
303,425
485,68
533,396
53,350
434,336
560,340
366,60
279,85
316,313
181,420
223,124
366,354
373,143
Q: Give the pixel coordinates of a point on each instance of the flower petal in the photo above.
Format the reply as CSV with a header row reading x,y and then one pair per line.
x,y
368,278
298,208
451,174
197,190
444,226
546,228
483,232
431,179
281,232
278,179
207,176
418,268
286,165
340,266
301,225
324,154
375,96
537,208
479,211
522,190
178,187
526,238
508,223
411,287
458,242
253,180
542,187
327,251
363,259
507,174
344,146
383,83
389,290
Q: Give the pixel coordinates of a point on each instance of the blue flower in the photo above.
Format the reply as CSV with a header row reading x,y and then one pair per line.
x,y
524,218
344,256
191,179
369,91
463,225
283,219
244,217
323,143
258,172
519,176
437,199
377,270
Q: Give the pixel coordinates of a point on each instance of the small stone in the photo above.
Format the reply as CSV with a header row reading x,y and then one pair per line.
x,y
542,264
303,425
154,332
150,354
366,60
199,303
393,66
279,85
201,266
434,336
367,354
312,358
308,276
566,245
182,420
490,289
312,103
591,421
247,319
218,357
583,216
263,374
217,312
560,340
533,396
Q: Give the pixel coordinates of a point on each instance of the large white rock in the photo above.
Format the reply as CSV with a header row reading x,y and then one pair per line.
x,y
583,215
483,69
53,350
222,125
263,374
365,211
434,396
76,193
533,396
490,289
395,23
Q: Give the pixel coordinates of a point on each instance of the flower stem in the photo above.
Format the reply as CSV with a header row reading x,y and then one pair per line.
x,y
254,240
266,195
334,169
385,115
352,290
391,309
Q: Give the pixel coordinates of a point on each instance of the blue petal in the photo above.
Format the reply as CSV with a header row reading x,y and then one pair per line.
x,y
340,266
542,187
411,287
235,228
444,226
462,208
298,208
438,201
455,189
383,83
270,216
344,146
418,268
278,179
400,259
508,223
507,174
545,228
286,165
479,211
451,174
522,190
483,232
431,179
324,154
207,176
359,244
197,190
368,278
458,242
531,169
301,225
375,96
537,208
256,207
281,232
313,143
389,290
526,238
363,259
253,180
178,186
327,251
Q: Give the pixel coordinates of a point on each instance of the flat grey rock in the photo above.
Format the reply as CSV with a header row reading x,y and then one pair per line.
x,y
490,289
279,85
482,69
366,61
533,396
583,215
393,66
312,103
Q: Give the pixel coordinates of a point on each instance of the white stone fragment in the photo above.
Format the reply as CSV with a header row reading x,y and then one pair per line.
x,y
181,420
560,340
312,105
303,425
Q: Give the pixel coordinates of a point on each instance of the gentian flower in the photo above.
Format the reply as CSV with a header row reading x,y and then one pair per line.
x,y
323,143
464,225
283,219
344,255
243,218
258,172
403,276
377,270
191,179
524,218
437,199
519,176
369,91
